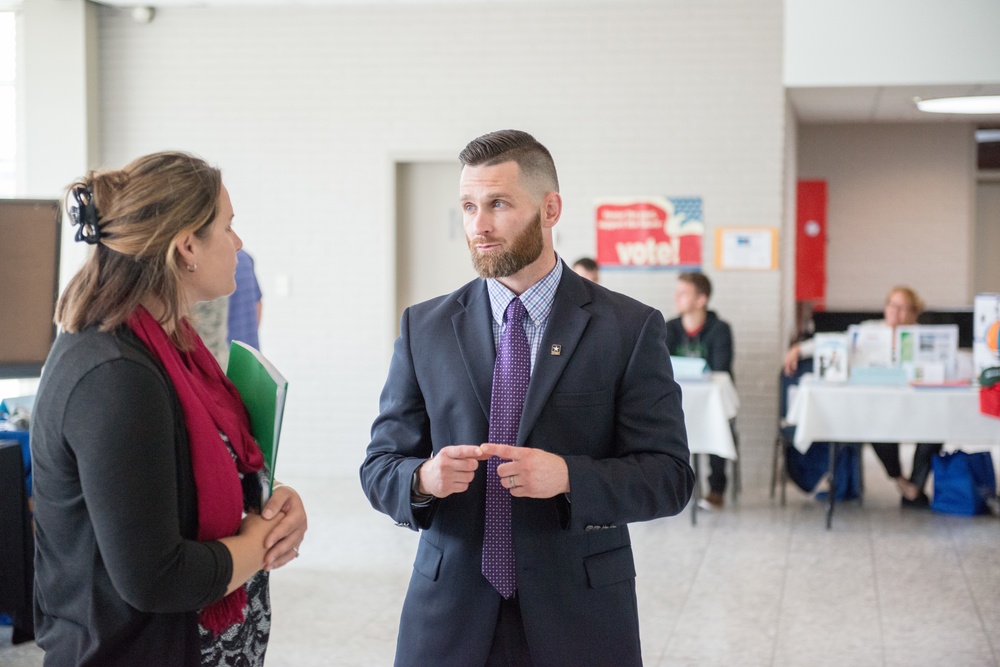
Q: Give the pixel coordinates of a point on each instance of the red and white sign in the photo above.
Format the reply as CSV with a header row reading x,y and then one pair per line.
x,y
651,232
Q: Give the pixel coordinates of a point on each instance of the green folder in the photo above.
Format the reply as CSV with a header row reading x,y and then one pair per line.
x,y
262,388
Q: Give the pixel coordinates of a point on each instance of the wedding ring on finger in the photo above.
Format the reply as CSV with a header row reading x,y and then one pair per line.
x,y
512,483
296,552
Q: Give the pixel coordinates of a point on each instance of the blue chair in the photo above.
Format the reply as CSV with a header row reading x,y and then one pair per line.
x,y
786,431
841,462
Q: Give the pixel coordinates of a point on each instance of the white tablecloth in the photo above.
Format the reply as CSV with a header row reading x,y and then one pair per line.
x,y
709,404
855,413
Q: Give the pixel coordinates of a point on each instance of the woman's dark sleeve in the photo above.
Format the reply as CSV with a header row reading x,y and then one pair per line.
x,y
120,425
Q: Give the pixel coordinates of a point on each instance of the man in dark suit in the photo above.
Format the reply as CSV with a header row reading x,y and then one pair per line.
x,y
600,441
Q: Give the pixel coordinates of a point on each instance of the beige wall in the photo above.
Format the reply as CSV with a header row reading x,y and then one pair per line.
x,y
900,209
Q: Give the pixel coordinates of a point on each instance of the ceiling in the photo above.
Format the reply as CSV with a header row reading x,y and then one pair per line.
x,y
882,104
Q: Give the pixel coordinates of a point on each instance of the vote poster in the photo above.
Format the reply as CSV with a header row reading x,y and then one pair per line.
x,y
649,232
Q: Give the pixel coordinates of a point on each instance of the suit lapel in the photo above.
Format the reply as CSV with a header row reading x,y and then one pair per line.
x,y
567,321
474,331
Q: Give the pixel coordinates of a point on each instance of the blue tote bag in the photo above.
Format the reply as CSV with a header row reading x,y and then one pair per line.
x,y
963,482
807,470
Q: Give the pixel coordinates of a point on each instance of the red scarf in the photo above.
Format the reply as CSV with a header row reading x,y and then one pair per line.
x,y
211,404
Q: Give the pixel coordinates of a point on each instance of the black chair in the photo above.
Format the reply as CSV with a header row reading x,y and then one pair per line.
x,y
17,544
786,432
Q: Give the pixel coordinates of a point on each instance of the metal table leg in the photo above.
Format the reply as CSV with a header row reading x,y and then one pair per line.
x,y
696,495
832,493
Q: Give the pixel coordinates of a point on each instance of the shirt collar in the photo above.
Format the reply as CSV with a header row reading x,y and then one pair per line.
x,y
537,299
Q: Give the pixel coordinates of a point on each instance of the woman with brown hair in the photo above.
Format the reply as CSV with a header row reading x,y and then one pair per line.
x,y
154,538
902,307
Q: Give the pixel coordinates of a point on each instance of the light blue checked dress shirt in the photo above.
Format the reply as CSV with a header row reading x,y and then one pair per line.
x,y
537,300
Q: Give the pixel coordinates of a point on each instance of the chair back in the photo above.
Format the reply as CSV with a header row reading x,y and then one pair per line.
x,y
17,545
789,384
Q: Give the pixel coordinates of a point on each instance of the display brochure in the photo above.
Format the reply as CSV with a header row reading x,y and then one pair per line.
x,y
871,345
831,356
262,388
689,368
985,330
928,352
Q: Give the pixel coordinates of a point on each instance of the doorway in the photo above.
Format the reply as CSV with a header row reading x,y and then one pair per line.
x,y
432,257
987,239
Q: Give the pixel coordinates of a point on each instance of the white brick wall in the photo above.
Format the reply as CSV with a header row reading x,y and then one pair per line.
x,y
304,109
900,209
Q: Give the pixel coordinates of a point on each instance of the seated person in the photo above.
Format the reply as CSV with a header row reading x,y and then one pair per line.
x,y
698,332
902,306
587,267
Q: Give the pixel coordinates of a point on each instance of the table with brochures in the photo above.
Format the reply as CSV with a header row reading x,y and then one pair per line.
x,y
709,403
845,412
852,413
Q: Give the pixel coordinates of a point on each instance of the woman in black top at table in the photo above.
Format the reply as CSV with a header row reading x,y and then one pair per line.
x,y
153,547
902,307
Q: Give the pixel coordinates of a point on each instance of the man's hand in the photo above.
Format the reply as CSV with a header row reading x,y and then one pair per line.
x,y
449,471
530,473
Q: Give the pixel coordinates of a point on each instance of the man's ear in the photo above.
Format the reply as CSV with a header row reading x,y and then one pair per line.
x,y
551,209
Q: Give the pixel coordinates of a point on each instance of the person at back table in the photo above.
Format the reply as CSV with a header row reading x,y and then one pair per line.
x,y
245,304
527,418
698,332
153,547
902,307
588,268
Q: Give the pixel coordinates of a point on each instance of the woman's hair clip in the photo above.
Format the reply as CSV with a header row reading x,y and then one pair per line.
x,y
84,215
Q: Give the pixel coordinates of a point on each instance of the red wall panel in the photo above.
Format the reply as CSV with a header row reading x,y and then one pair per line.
x,y
810,243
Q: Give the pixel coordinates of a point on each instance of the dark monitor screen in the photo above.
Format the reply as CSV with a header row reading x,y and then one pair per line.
x,y
29,283
839,320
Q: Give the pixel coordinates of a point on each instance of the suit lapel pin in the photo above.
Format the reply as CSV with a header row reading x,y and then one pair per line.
x,y
556,350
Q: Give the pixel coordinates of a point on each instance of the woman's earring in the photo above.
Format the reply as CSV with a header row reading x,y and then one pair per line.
x,y
192,267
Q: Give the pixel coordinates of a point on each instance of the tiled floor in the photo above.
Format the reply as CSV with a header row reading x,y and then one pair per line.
x,y
756,584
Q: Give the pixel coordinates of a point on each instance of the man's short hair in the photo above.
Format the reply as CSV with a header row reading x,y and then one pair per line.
x,y
585,263
702,285
495,148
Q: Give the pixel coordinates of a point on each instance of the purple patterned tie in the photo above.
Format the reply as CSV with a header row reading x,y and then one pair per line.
x,y
510,384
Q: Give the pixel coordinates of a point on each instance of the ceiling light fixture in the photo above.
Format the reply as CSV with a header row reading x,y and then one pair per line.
x,y
983,104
